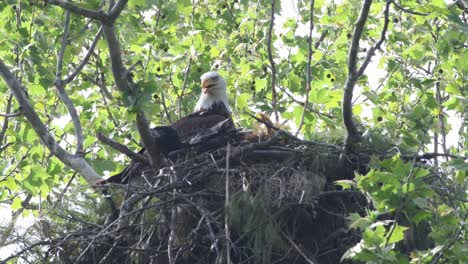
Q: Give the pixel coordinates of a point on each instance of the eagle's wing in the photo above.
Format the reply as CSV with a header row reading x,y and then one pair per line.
x,y
201,124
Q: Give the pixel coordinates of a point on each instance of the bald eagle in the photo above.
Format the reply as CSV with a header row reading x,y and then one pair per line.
x,y
211,118
212,113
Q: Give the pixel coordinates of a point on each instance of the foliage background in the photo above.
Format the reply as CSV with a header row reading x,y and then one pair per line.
x,y
418,102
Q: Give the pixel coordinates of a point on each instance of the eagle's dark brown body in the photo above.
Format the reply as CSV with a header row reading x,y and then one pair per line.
x,y
193,129
204,123
211,120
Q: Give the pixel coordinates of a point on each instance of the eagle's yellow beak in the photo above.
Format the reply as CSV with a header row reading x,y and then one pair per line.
x,y
205,86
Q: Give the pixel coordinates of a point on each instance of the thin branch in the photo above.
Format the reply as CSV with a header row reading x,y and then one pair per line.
x,y
122,148
11,115
86,58
5,120
131,68
75,162
432,155
309,61
447,246
184,86
321,39
353,135
61,90
443,132
5,146
163,99
58,201
408,10
302,103
272,62
298,249
58,72
403,197
76,9
376,46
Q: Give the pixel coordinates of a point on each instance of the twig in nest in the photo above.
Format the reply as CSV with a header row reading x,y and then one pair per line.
x,y
298,249
291,136
226,215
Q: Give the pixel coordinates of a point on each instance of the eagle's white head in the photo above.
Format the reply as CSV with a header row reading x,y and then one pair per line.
x,y
213,91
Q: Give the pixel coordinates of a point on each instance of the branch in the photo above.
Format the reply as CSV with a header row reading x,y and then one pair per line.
x,y
122,148
321,38
272,62
116,10
408,10
443,132
152,146
58,72
163,100
403,197
308,107
118,68
447,246
291,136
123,83
353,135
59,83
309,60
377,45
298,249
184,86
10,115
77,163
76,9
86,58
431,155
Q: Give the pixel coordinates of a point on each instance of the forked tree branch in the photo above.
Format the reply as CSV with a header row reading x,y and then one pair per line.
x,y
309,61
77,163
76,9
60,84
117,9
272,62
122,80
354,73
86,58
376,46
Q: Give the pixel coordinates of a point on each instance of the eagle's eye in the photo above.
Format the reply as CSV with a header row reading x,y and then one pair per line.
x,y
215,78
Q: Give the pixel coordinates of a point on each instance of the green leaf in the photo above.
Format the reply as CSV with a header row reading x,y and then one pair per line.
x,y
320,96
16,204
345,184
415,52
36,90
242,100
397,235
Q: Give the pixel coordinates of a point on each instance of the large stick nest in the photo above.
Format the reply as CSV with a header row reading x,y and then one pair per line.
x,y
264,202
